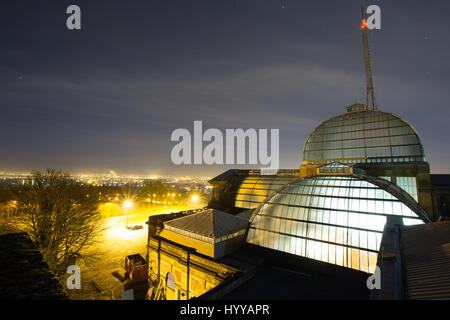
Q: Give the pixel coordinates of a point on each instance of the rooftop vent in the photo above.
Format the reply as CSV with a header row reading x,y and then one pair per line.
x,y
356,108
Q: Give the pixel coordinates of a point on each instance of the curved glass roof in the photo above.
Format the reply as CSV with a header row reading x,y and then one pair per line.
x,y
334,219
363,137
254,189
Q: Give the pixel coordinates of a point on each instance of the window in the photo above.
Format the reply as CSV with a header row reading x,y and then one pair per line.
x,y
170,281
254,190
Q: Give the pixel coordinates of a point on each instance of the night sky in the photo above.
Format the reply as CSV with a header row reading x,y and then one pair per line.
x,y
107,97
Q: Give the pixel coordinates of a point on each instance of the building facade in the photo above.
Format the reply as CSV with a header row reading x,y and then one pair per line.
x,y
183,254
378,143
181,273
357,170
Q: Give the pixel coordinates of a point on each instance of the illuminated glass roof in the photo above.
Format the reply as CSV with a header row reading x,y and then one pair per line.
x,y
254,189
334,168
363,137
334,219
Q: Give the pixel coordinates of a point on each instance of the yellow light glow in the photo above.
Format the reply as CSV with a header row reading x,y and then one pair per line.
x,y
194,198
114,233
127,204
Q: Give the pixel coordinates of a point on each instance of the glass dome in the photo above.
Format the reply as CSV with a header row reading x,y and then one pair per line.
x,y
367,136
334,219
254,189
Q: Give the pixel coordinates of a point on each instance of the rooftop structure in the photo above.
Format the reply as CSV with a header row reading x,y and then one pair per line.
x,y
332,218
411,268
254,189
363,137
211,232
184,256
211,224
427,263
360,171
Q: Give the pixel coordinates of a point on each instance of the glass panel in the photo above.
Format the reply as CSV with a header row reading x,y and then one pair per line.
x,y
372,137
341,228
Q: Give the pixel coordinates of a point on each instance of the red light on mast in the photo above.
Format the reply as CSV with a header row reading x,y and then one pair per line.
x,y
363,24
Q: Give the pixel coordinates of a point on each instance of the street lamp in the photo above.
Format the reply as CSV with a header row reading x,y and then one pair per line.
x,y
127,204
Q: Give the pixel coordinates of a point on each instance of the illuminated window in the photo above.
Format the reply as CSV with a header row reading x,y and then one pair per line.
x,y
255,189
409,185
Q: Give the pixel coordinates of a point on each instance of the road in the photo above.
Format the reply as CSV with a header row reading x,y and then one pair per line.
x,y
115,243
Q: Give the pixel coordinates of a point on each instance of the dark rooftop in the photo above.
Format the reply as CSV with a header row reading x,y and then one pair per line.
x,y
277,283
225,175
274,275
426,254
440,181
23,272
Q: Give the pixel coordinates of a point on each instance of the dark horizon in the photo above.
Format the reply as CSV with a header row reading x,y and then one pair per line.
x,y
108,96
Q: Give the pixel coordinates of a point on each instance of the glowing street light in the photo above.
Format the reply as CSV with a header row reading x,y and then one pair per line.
x,y
126,205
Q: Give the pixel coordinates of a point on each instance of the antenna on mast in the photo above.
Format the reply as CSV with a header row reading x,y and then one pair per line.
x,y
370,92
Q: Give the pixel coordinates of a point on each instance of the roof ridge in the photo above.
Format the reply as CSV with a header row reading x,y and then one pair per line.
x,y
213,222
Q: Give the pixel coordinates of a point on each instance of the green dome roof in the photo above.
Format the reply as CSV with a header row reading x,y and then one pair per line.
x,y
368,136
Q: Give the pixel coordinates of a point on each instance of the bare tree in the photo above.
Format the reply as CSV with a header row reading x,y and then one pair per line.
x,y
60,215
